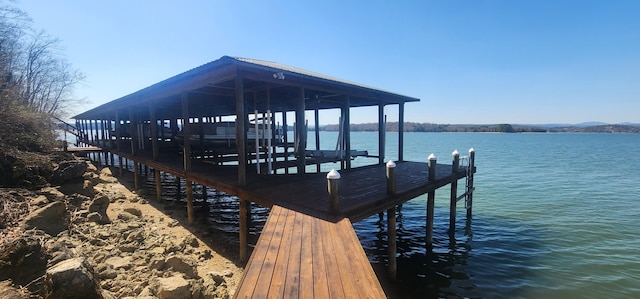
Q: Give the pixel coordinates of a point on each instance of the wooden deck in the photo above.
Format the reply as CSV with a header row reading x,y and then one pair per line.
x,y
362,190
300,256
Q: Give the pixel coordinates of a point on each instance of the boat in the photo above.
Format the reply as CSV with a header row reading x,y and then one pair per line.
x,y
223,134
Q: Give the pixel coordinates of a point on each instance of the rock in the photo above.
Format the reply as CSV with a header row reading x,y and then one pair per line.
x,y
191,241
106,171
134,211
51,218
83,188
52,194
117,262
10,292
100,204
107,179
95,217
22,260
174,287
40,200
124,216
183,265
68,171
71,278
91,168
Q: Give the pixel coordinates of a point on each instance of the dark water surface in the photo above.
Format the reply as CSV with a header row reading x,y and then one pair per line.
x,y
555,216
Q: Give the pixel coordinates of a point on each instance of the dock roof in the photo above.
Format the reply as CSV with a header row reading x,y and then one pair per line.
x,y
210,89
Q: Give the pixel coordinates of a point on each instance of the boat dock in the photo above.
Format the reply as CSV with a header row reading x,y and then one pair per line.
x,y
311,211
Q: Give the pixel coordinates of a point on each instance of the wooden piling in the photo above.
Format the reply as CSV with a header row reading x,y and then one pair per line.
x,y
469,201
455,165
244,229
391,177
189,191
136,180
333,184
158,184
431,196
391,242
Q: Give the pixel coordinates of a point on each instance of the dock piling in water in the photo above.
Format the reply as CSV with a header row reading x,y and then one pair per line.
x,y
333,184
391,177
431,196
455,167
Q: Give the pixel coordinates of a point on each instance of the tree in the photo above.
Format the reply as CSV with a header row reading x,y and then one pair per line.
x,y
34,73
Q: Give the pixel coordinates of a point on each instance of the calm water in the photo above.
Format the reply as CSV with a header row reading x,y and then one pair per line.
x,y
555,216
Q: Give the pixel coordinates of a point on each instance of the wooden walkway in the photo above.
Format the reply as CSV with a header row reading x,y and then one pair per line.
x,y
300,256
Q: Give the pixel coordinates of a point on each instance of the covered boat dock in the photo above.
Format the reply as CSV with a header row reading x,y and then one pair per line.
x,y
252,105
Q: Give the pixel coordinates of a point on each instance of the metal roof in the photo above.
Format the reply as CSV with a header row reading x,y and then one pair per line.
x,y
211,89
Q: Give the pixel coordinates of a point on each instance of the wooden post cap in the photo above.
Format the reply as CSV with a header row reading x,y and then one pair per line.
x,y
391,164
333,175
455,153
432,157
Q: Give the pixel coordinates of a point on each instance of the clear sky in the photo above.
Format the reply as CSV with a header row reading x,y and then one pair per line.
x,y
475,61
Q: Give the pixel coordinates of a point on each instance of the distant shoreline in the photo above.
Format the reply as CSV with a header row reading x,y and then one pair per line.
x,y
494,128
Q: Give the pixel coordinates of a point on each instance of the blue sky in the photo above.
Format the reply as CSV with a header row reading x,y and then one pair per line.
x,y
481,62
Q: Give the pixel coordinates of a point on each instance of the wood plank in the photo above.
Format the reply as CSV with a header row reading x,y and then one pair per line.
x,y
254,266
320,283
348,277
306,258
360,263
292,283
334,280
265,277
276,290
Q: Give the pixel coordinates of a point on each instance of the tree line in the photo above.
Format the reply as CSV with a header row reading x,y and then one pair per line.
x,y
36,82
492,128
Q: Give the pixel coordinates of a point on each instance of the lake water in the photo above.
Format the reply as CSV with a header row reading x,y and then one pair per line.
x,y
554,216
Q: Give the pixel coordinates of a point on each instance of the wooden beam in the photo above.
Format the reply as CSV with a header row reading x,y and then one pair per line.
x,y
153,123
347,132
241,132
401,132
381,133
186,132
300,131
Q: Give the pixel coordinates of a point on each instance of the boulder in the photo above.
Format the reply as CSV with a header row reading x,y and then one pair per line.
x,y
183,265
10,292
51,218
99,205
68,171
22,260
71,278
174,287
52,194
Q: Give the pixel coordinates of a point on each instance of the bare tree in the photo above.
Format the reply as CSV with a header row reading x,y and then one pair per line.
x,y
35,74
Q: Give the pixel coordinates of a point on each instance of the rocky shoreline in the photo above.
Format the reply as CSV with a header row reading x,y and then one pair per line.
x,y
85,235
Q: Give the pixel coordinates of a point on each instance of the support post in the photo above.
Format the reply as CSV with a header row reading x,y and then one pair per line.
x,y
244,228
189,191
391,177
472,164
158,184
347,133
391,242
455,165
431,201
136,180
153,123
241,132
186,129
120,166
401,132
381,134
133,132
333,184
316,119
300,131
